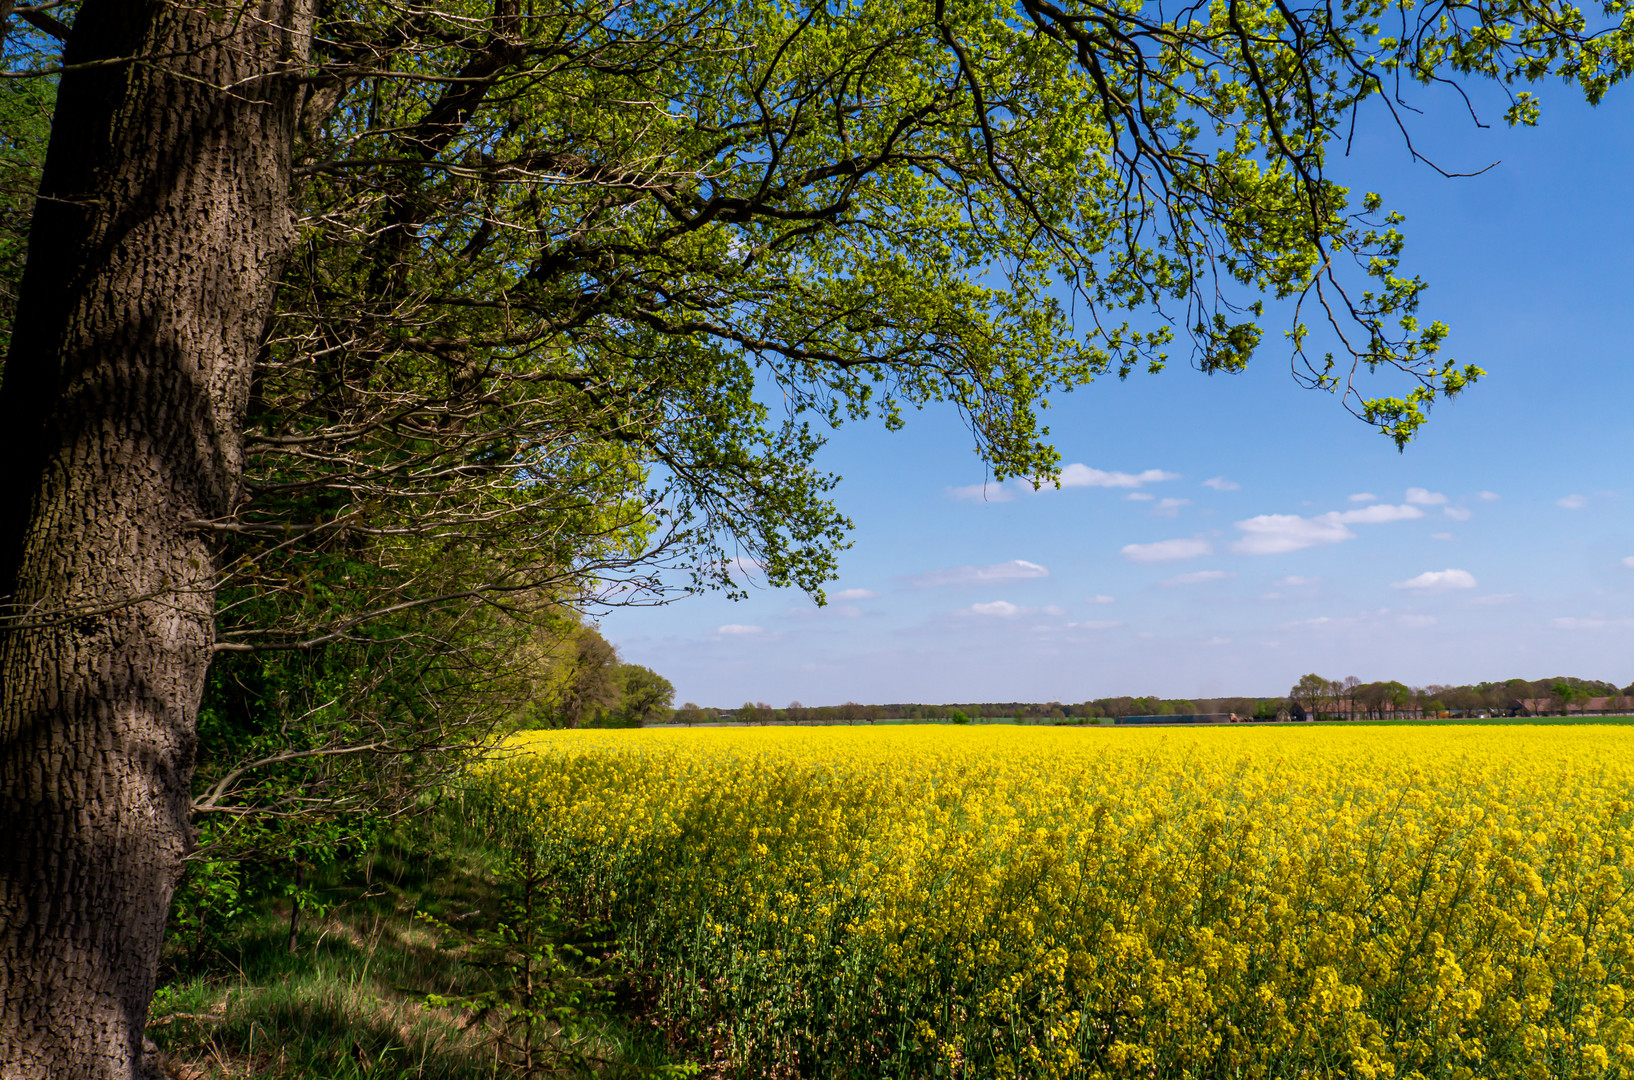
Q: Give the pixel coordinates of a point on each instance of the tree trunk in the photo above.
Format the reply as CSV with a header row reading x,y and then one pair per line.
x,y
162,223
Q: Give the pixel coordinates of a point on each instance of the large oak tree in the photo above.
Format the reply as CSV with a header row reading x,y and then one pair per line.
x,y
333,303
160,232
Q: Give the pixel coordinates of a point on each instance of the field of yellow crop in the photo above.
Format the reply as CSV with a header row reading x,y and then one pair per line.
x,y
1449,902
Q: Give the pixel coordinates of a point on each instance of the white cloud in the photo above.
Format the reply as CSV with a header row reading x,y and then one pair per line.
x,y
827,611
1629,562
1424,497
1441,536
1374,515
1577,624
1295,581
1139,496
1417,620
1573,502
1493,599
1166,550
1170,507
1488,496
1364,496
1273,534
1102,599
1084,476
734,629
982,493
1218,641
1197,577
1220,483
1004,609
739,565
1100,624
855,594
1014,570
1457,513
1438,580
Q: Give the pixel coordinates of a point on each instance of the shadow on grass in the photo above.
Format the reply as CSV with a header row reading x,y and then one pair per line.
x,y
352,999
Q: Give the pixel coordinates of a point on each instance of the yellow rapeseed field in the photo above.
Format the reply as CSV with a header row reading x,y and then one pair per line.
x,y
998,901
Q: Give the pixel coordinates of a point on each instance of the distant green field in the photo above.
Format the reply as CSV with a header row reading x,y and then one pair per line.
x,y
1539,721
1542,721
1104,721
1547,721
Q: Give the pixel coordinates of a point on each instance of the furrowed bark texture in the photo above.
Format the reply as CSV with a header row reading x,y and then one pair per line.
x,y
161,227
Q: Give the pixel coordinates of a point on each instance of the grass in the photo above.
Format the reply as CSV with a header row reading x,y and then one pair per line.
x,y
1107,721
366,991
1486,721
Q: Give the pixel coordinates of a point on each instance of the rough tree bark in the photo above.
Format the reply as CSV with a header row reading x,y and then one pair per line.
x,y
160,231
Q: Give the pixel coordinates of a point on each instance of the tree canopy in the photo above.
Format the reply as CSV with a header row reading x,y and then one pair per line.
x,y
584,277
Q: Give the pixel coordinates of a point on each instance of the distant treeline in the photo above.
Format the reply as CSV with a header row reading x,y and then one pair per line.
x,y
1351,698
1313,697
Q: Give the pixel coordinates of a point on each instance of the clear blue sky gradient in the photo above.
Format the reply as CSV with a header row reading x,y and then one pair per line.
x,y
1524,489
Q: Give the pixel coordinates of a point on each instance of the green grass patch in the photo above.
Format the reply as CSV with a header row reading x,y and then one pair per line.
x,y
406,967
1490,721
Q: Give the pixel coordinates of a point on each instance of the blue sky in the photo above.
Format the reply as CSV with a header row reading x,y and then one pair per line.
x,y
1226,534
